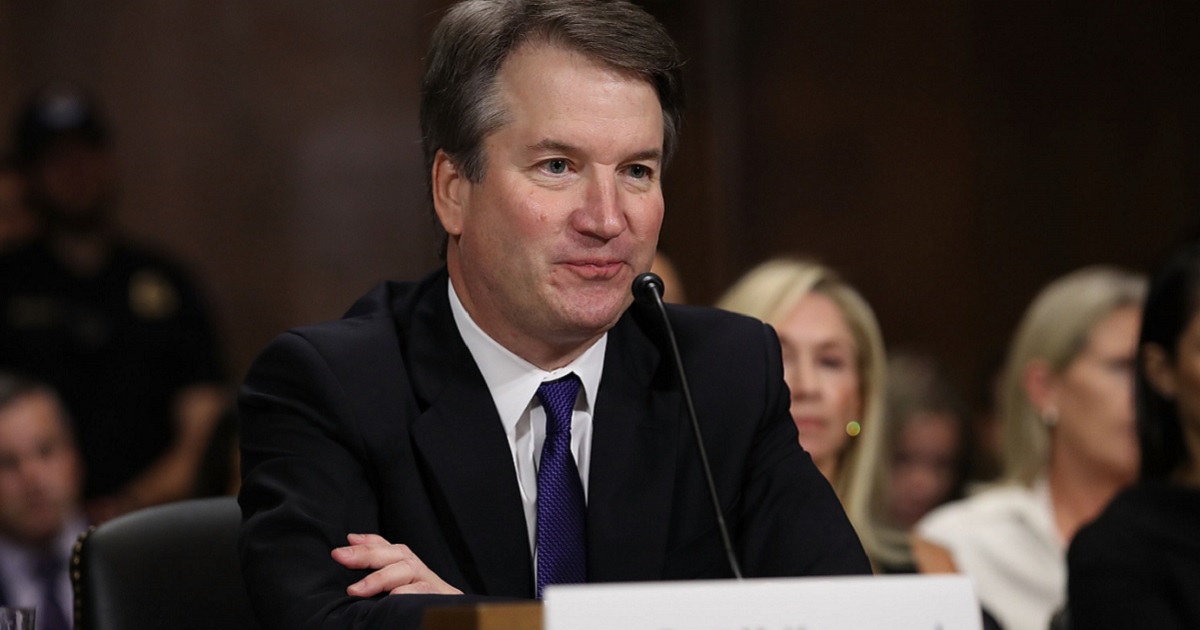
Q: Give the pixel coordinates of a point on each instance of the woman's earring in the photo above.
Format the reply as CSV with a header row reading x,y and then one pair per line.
x,y
1049,417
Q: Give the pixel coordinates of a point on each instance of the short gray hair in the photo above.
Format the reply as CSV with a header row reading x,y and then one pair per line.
x,y
459,101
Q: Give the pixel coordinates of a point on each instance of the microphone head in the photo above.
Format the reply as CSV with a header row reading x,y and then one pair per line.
x,y
646,286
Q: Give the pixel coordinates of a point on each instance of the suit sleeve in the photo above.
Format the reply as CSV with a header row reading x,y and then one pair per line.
x,y
306,485
792,522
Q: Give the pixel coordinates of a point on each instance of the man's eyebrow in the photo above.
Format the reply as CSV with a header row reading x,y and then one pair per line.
x,y
557,146
647,155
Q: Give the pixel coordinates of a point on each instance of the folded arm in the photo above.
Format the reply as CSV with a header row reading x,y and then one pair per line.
x,y
309,487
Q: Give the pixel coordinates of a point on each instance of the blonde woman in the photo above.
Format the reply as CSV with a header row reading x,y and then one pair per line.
x,y
833,357
1069,445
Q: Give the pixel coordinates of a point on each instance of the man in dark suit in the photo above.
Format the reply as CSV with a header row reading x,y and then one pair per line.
x,y
41,480
418,451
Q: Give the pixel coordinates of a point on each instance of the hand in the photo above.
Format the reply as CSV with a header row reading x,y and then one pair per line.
x,y
398,569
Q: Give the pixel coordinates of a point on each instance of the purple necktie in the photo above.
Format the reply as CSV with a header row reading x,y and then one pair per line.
x,y
561,512
49,613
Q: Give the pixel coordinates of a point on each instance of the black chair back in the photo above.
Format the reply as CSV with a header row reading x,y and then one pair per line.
x,y
171,566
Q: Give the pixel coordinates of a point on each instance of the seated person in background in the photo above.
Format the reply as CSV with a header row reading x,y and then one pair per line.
x,y
513,420
985,425
17,223
40,514
1069,447
220,471
1138,564
833,356
912,461
119,331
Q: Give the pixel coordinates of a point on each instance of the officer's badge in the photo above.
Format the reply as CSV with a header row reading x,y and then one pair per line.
x,y
152,296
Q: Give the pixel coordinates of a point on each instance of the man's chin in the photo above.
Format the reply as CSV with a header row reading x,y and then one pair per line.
x,y
601,311
39,533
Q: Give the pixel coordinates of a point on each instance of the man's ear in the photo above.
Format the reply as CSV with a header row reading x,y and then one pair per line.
x,y
1041,387
451,190
1158,370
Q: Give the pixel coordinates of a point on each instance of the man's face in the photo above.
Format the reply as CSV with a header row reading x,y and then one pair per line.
x,y
73,182
16,221
40,472
544,249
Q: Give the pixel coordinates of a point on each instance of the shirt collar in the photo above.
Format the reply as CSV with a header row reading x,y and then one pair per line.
x,y
513,381
62,547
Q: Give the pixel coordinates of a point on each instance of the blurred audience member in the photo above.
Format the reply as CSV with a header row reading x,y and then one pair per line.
x,y
1069,447
220,471
986,447
1138,565
17,224
118,331
833,357
40,513
913,460
673,292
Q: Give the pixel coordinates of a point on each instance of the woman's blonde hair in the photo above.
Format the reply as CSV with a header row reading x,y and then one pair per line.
x,y
1055,329
772,289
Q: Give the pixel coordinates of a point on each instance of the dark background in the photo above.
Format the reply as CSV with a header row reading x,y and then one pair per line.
x,y
948,157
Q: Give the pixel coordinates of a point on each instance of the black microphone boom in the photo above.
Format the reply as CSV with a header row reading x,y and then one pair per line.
x,y
648,288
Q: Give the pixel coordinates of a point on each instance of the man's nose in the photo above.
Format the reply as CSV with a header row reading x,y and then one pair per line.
x,y
603,212
29,469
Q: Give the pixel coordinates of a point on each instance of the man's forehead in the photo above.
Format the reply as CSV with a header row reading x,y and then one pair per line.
x,y
34,404
552,53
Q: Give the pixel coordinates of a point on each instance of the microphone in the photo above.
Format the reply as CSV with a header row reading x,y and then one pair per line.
x,y
648,289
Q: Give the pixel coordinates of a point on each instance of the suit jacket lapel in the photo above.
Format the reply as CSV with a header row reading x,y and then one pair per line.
x,y
634,434
462,443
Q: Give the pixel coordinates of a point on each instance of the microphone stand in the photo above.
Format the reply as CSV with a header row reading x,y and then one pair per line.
x,y
649,287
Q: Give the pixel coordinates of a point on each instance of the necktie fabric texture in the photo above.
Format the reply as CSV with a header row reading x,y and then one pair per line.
x,y
561,510
50,614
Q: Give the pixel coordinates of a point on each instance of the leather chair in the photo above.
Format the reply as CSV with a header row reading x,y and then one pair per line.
x,y
171,566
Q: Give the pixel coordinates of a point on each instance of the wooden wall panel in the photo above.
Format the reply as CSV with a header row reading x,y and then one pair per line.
x,y
272,146
948,157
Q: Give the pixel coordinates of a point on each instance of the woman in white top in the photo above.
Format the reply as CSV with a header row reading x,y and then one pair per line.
x,y
1069,446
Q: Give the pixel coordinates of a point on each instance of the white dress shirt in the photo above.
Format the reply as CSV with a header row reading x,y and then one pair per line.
x,y
513,383
19,574
1004,538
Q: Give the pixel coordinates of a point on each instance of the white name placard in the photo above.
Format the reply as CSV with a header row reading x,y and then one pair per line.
x,y
905,602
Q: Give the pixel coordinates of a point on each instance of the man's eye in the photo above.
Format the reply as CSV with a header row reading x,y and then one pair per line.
x,y
556,167
639,171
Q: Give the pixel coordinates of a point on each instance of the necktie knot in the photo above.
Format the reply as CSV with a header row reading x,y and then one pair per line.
x,y
558,399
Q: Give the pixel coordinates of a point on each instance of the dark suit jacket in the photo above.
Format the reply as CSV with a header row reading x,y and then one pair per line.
x,y
381,423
